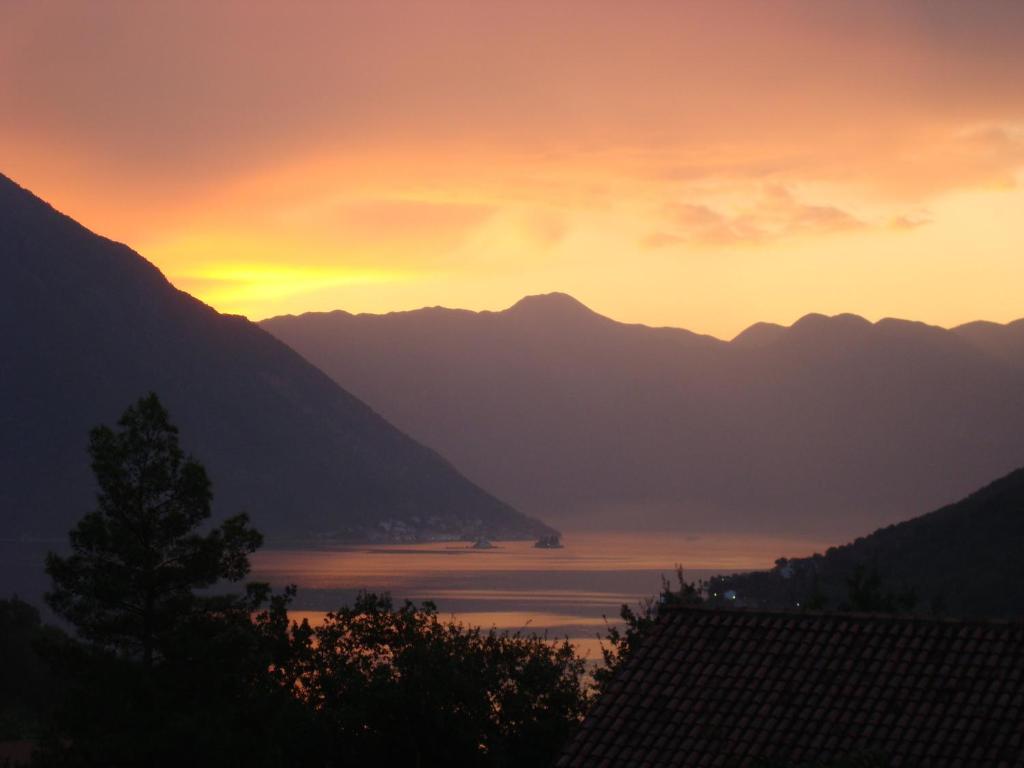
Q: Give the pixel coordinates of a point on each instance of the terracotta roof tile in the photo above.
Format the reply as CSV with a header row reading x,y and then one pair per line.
x,y
730,688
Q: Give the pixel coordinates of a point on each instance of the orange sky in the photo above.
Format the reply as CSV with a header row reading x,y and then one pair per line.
x,y
701,164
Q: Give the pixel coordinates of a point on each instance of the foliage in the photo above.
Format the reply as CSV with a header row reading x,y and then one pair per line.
x,y
865,594
401,686
929,564
138,559
28,689
638,622
169,672
211,702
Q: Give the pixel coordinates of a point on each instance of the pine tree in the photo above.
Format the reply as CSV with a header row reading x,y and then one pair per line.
x,y
137,561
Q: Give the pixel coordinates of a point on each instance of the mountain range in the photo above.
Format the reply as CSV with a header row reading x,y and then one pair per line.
x,y
89,326
832,425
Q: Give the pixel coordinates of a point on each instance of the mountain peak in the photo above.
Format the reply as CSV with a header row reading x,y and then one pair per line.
x,y
847,319
551,306
815,322
810,325
759,335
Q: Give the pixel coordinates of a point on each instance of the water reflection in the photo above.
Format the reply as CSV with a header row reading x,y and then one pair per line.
x,y
561,592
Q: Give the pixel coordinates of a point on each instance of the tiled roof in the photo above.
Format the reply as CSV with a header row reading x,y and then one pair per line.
x,y
743,688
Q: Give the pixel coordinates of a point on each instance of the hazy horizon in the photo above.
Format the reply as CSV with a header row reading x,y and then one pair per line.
x,y
696,166
874,320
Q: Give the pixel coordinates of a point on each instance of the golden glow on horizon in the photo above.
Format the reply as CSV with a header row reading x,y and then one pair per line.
x,y
235,271
235,288
704,166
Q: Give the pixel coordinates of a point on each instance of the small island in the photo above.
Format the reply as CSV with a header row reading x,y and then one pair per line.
x,y
549,542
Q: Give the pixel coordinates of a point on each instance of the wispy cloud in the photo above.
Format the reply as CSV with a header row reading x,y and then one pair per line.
x,y
776,214
908,222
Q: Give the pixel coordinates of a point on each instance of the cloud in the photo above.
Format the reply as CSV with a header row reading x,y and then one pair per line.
x,y
547,229
459,141
907,222
704,224
993,152
446,75
776,214
403,219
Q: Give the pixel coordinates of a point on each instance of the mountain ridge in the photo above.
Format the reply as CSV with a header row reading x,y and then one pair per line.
x,y
98,326
594,422
565,301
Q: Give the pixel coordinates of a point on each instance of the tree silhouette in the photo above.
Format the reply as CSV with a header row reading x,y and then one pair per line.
x,y
174,673
138,559
29,691
401,686
866,594
171,672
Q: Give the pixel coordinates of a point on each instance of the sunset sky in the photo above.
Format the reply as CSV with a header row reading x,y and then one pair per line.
x,y
698,164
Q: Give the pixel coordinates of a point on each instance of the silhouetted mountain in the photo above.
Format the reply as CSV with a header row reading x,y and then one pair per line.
x,y
760,335
963,559
833,424
1003,341
91,326
554,308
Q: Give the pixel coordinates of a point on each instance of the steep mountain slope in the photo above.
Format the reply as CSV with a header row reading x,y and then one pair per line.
x,y
89,326
964,559
831,425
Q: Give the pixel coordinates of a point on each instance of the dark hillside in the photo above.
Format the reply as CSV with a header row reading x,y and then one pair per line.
x,y
965,559
89,326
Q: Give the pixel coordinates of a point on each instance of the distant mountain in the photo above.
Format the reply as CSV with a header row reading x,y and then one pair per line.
x,y
964,559
90,326
1002,341
831,425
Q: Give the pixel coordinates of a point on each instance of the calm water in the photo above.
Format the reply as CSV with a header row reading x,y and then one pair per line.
x,y
562,592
